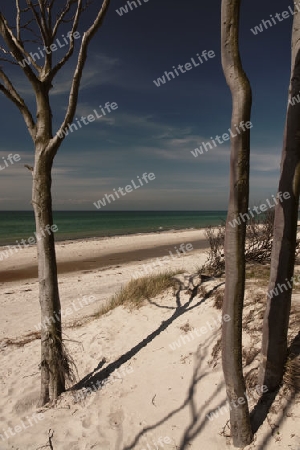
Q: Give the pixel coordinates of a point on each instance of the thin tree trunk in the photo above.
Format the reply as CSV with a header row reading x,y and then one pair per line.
x,y
276,319
52,357
56,365
235,236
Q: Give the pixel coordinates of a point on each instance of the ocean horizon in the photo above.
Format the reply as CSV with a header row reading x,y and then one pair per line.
x,y
74,225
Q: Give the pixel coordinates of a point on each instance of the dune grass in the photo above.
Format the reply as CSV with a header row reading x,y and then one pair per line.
x,y
259,272
134,294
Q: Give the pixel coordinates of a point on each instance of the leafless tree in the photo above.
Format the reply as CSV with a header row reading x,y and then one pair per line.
x,y
38,22
276,320
237,80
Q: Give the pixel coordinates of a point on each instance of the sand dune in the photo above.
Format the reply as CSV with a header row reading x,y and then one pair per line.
x,y
146,378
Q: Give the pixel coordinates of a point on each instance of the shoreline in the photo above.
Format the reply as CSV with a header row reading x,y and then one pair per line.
x,y
91,254
94,268
93,238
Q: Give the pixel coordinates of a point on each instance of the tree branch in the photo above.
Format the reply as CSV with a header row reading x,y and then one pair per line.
x,y
18,51
49,12
70,51
18,20
9,61
8,89
73,97
63,13
39,21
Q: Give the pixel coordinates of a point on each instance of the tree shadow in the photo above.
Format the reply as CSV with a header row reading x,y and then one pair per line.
x,y
99,374
197,422
294,348
259,413
262,408
257,416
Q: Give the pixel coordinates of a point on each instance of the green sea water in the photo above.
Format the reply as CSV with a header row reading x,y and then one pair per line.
x,y
17,225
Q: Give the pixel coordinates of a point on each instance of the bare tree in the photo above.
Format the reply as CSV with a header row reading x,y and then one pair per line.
x,y
276,319
235,236
38,22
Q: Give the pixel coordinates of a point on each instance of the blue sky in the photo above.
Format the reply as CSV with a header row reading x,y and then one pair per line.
x,y
154,128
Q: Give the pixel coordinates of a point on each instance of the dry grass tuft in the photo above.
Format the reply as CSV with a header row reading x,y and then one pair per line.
x,y
201,291
134,294
66,364
186,327
251,378
292,367
216,353
249,355
219,297
21,341
259,272
292,373
253,313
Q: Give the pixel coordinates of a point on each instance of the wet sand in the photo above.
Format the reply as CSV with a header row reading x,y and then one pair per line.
x,y
79,264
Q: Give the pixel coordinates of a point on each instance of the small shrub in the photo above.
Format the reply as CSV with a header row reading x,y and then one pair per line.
x,y
258,245
215,264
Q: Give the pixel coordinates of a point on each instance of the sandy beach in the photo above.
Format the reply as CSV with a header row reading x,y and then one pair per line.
x,y
147,378
91,254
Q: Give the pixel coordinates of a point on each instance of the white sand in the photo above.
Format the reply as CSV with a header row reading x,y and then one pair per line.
x,y
157,393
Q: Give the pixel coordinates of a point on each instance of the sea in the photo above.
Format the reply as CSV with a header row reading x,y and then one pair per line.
x,y
72,225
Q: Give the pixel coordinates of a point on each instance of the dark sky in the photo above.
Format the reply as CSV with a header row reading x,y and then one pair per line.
x,y
155,128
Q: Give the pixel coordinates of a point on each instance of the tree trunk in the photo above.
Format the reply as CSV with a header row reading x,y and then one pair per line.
x,y
52,355
56,364
235,236
276,319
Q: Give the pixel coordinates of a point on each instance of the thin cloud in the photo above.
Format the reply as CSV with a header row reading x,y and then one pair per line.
x,y
100,70
263,161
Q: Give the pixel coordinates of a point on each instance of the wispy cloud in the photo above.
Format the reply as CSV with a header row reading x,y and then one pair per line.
x,y
100,70
84,109
265,160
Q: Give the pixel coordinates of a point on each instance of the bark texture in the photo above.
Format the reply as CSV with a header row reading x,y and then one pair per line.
x,y
53,363
276,319
235,236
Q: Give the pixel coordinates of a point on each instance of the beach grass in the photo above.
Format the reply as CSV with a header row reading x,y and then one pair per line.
x,y
134,294
258,271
